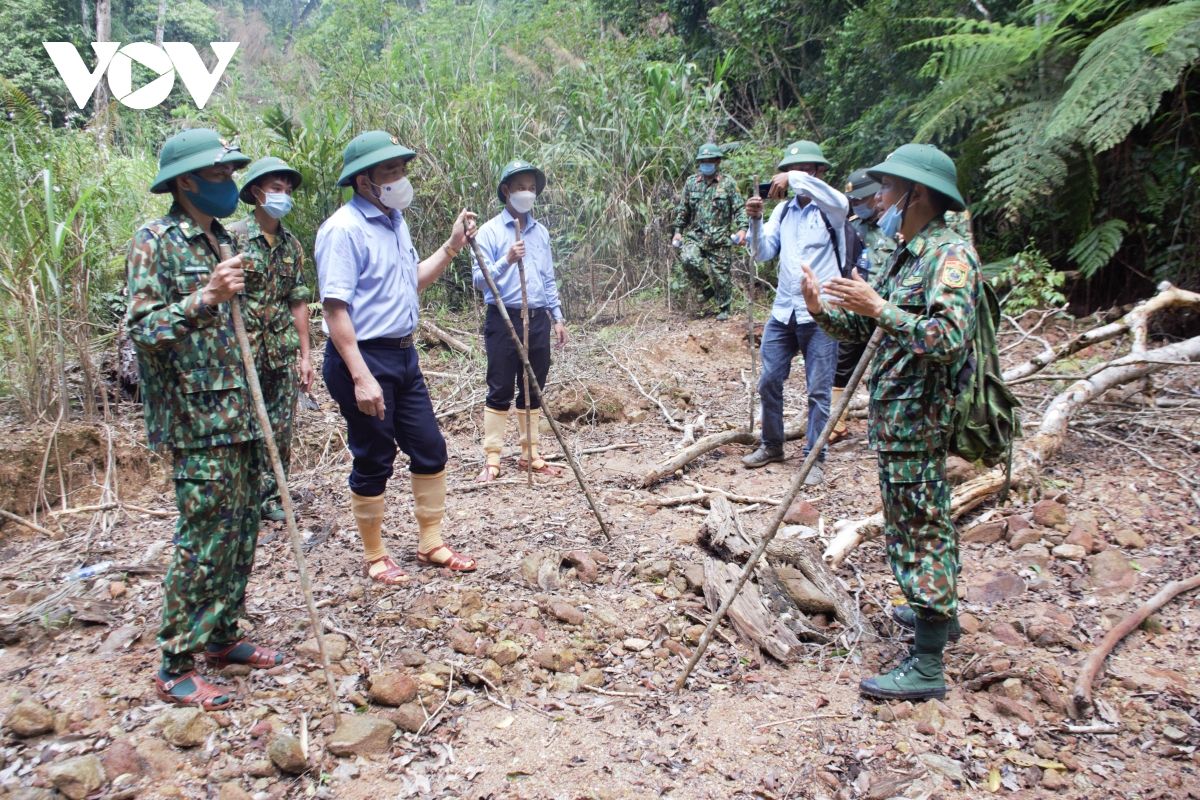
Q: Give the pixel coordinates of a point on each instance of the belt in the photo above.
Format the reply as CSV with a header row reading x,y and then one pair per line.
x,y
515,311
401,343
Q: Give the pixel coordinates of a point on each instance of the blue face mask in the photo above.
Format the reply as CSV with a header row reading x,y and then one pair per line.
x,y
708,170
277,204
889,223
864,210
215,198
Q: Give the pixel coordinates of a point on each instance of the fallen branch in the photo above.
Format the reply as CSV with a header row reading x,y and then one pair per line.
x,y
439,335
1081,694
709,443
1034,452
33,526
672,423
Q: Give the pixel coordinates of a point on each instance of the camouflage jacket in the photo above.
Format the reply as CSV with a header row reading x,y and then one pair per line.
x,y
930,289
877,249
274,282
710,212
193,384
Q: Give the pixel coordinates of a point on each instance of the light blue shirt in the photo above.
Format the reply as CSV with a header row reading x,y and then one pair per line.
x,y
494,239
366,259
800,237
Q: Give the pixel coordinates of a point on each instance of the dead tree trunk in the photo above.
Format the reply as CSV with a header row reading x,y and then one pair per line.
x,y
709,443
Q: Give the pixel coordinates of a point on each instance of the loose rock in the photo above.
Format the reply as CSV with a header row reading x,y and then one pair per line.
x,y
1049,513
408,717
1024,536
77,777
361,734
562,611
1110,572
461,641
987,533
187,727
1130,539
555,659
802,512
505,652
285,753
29,718
335,648
1070,552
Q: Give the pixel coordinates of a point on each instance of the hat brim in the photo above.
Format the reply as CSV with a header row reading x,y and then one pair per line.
x,y
925,179
803,159
209,158
539,178
863,192
247,196
371,159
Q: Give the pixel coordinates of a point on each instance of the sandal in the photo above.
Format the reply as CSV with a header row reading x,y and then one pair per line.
x,y
456,562
489,473
836,435
390,575
256,658
203,694
545,468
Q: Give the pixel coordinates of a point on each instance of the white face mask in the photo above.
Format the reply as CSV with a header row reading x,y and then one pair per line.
x,y
522,202
397,194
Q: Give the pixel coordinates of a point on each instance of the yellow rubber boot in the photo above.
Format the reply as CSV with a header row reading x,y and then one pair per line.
x,y
368,517
429,507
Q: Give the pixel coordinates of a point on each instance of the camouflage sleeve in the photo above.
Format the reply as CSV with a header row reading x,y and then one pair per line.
x,y
941,332
843,325
740,221
155,320
683,210
299,292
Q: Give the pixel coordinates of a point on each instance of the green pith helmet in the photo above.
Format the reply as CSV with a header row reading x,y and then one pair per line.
x,y
708,151
802,152
516,167
926,165
860,185
261,169
192,150
368,149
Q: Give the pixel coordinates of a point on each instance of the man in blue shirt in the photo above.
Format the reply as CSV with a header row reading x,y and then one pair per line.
x,y
370,277
808,228
520,185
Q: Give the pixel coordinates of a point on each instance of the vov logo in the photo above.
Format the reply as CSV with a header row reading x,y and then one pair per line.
x,y
167,61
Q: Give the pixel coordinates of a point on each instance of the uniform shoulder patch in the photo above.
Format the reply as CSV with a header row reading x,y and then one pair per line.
x,y
954,273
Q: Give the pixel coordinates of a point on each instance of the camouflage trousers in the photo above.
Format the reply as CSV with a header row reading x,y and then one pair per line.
x,y
922,544
708,271
280,389
204,591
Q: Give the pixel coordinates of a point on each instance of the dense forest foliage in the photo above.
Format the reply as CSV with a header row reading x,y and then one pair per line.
x,y
1075,124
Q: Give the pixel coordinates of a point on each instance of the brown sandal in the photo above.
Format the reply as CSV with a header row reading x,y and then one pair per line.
x,y
545,468
205,694
456,562
259,658
391,575
489,473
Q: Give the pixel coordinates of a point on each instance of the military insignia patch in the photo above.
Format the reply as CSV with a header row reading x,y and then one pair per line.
x,y
954,274
912,280
395,140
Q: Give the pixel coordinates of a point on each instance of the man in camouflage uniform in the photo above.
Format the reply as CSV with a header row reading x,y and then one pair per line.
x,y
276,305
197,407
925,304
708,218
877,250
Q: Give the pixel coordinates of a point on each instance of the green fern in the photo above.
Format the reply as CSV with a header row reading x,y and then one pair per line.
x,y
1120,78
1025,165
1097,247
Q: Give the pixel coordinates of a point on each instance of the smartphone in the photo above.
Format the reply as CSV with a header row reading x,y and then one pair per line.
x,y
765,188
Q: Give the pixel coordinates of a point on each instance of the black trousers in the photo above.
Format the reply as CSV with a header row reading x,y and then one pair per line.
x,y
408,420
504,363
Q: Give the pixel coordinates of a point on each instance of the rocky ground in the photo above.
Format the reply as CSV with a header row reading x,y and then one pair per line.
x,y
548,673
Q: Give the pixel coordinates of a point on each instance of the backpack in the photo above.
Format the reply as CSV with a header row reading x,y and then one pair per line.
x,y
854,242
985,421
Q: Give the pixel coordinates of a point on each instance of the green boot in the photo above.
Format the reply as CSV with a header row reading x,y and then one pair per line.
x,y
906,617
919,677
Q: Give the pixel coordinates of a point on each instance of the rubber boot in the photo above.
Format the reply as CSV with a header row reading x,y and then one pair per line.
x,y
429,506
529,444
839,428
906,617
494,423
368,517
918,677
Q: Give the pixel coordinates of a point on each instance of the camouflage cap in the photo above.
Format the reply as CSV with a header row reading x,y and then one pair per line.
x,y
516,167
191,150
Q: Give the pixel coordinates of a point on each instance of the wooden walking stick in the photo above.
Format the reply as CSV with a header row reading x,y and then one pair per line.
x,y
784,504
751,277
547,413
525,342
285,497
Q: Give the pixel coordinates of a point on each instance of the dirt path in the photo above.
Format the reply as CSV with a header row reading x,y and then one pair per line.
x,y
579,654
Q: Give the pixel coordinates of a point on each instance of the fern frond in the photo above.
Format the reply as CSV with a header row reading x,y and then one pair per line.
x,y
1119,80
1026,166
1097,247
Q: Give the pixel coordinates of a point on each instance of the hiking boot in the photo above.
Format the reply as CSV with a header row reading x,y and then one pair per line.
x,y
762,456
722,316
273,512
906,618
815,476
920,676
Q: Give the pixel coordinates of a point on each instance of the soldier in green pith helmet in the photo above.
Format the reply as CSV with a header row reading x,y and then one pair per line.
x,y
925,302
198,409
276,305
709,220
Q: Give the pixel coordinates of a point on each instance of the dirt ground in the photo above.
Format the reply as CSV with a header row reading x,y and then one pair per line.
x,y
539,677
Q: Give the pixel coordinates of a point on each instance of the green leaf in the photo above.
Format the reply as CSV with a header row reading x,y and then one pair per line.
x,y
1097,247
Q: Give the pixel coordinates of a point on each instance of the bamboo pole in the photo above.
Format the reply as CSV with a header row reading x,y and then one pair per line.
x,y
784,504
546,412
285,496
517,224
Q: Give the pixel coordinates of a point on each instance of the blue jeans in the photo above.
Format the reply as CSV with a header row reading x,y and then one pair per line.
x,y
780,343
